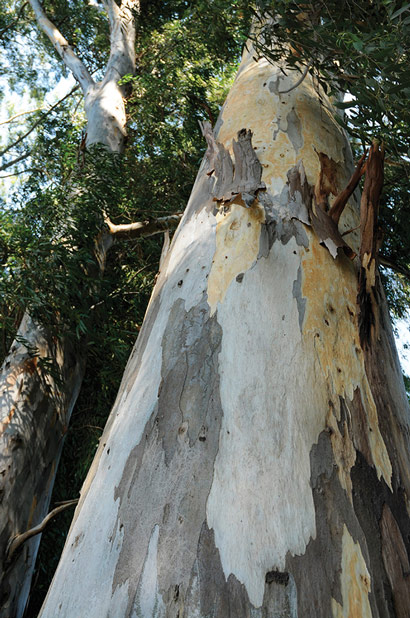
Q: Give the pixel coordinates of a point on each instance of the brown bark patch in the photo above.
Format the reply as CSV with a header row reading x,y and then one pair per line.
x,y
327,231
30,365
369,244
396,562
327,181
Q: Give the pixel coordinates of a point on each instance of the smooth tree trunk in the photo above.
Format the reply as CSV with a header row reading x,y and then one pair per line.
x,y
40,379
256,461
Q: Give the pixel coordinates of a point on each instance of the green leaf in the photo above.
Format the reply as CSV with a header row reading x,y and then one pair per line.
x,y
400,11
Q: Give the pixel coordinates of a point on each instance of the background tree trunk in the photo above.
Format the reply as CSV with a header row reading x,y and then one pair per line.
x,y
42,377
256,461
35,411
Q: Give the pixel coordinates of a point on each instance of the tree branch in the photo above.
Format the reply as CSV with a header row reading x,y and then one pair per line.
x,y
341,200
17,160
122,39
60,44
19,14
39,121
19,539
387,263
30,111
140,229
304,74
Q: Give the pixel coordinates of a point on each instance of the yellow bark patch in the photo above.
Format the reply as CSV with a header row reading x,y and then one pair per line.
x,y
355,582
344,452
330,287
7,420
237,247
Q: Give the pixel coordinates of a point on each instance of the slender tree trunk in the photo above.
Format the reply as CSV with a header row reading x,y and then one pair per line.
x,y
256,462
35,410
41,378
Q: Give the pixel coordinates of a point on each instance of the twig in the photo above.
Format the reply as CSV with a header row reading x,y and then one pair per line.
x,y
19,539
17,160
303,76
30,111
39,121
23,6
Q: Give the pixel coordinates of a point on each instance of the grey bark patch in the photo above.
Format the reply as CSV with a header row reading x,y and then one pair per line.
x,y
209,591
284,215
294,130
297,295
317,574
273,85
280,598
369,498
173,457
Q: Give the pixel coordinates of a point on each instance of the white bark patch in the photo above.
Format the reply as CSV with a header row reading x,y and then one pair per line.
x,y
148,602
106,118
260,504
355,582
94,533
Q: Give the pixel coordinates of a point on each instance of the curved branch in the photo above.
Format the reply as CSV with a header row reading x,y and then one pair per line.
x,y
305,72
19,539
60,44
12,118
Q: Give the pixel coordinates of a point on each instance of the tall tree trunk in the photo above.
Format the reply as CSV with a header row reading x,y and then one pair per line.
x,y
256,462
35,407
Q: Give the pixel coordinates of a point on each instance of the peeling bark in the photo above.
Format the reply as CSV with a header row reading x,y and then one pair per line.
x,y
370,244
253,446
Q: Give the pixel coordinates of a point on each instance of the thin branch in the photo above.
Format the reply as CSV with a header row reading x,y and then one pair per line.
x,y
11,24
29,169
387,263
61,45
39,121
30,111
140,229
17,160
19,539
303,76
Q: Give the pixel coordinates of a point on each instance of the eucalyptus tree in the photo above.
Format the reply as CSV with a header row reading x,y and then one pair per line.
x,y
71,234
256,461
36,401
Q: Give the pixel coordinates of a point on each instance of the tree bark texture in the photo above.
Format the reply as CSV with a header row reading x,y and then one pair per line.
x,y
35,409
256,462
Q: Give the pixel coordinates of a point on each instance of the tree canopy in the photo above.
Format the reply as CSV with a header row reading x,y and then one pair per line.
x,y
57,195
